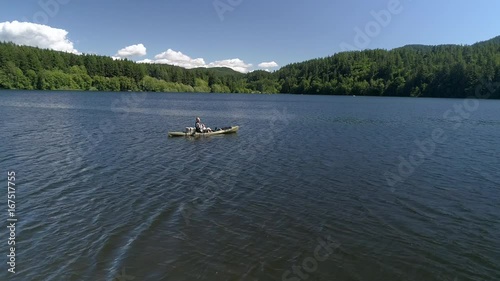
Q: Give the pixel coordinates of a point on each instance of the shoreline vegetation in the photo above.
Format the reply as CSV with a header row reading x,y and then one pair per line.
x,y
447,71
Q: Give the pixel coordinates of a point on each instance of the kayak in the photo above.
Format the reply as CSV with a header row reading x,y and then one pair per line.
x,y
190,133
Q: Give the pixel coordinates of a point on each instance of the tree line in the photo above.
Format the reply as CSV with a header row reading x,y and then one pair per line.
x,y
414,70
30,68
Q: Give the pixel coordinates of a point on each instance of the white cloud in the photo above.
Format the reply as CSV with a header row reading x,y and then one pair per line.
x,y
235,64
132,51
271,64
146,61
36,35
179,59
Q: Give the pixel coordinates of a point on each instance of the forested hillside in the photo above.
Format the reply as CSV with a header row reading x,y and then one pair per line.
x,y
413,70
23,67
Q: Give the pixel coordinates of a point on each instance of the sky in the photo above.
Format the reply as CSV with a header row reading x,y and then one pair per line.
x,y
245,35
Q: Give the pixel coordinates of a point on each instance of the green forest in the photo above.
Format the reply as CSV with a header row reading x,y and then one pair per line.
x,y
415,70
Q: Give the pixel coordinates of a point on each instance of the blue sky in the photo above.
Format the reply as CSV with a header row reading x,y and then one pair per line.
x,y
255,31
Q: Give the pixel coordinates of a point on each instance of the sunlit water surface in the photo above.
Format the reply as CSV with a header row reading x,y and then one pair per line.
x,y
104,194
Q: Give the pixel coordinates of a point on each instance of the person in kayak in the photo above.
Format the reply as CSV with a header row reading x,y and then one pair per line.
x,y
200,127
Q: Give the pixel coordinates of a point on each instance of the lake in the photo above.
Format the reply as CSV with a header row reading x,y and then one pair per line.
x,y
310,188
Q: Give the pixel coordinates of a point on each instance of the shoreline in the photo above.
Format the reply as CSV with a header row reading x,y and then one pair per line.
x,y
211,93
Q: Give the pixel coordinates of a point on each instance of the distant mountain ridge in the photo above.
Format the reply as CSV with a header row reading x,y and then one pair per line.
x,y
495,40
221,70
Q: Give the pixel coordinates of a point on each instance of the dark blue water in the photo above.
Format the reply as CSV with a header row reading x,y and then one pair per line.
x,y
310,188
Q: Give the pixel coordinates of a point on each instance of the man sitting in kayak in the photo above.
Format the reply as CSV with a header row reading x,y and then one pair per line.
x,y
200,127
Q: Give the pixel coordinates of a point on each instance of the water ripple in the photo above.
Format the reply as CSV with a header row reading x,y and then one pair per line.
x,y
96,203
